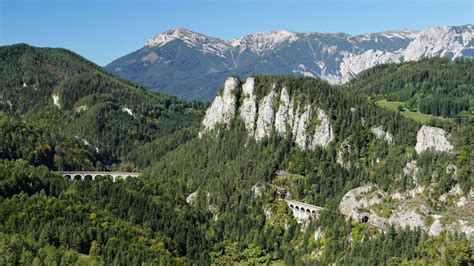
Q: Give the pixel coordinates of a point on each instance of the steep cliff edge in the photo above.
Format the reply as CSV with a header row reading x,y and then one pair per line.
x,y
275,111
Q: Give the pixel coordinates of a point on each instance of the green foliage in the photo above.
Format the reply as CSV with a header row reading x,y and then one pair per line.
x,y
434,86
92,102
47,219
38,146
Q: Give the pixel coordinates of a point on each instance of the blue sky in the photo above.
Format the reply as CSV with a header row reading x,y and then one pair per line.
x,y
103,30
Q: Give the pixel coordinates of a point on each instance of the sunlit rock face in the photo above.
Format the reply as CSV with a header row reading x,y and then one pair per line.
x,y
248,110
266,116
222,109
432,138
277,111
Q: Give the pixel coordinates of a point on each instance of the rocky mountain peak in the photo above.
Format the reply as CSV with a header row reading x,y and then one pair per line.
x,y
335,57
263,41
199,41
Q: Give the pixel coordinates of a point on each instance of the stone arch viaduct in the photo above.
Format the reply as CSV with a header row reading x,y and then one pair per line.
x,y
94,174
303,211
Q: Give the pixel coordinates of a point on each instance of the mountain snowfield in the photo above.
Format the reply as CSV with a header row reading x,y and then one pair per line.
x,y
201,62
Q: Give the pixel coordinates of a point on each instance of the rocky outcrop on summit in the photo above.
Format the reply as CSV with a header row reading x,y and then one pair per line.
x,y
222,110
432,138
310,126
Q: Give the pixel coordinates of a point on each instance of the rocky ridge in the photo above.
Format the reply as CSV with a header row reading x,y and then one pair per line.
x,y
309,125
335,57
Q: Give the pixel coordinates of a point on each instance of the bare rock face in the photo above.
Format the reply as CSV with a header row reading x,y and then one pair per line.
x,y
300,127
248,110
284,115
432,138
362,205
266,116
222,110
358,198
409,217
274,112
56,100
411,170
381,134
436,227
191,198
322,133
343,153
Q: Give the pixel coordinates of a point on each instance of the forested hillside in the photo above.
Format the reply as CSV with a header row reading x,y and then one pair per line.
x,y
70,96
212,199
434,86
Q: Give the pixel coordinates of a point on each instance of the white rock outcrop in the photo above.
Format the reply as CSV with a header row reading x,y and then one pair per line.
x,y
248,110
381,134
222,109
266,116
432,138
284,115
322,133
409,213
408,217
56,100
128,111
274,112
81,108
436,227
411,170
191,198
300,127
357,198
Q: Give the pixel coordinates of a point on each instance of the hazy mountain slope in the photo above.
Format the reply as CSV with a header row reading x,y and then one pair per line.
x,y
192,65
62,91
434,86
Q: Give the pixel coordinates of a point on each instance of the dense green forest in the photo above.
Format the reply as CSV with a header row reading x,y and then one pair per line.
x,y
435,86
108,113
48,219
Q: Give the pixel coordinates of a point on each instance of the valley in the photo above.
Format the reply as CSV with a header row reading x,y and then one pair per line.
x,y
385,188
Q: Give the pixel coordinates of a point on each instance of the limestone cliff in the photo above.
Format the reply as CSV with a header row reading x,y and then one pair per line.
x,y
432,138
222,110
277,111
248,110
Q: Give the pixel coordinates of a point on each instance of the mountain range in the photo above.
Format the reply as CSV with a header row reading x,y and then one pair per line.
x,y
192,65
